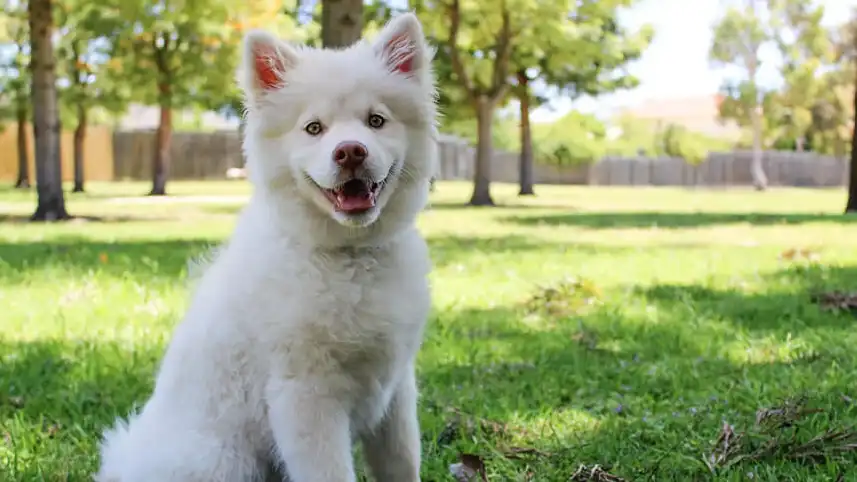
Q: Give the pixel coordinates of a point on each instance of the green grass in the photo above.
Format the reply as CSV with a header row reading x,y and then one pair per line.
x,y
697,321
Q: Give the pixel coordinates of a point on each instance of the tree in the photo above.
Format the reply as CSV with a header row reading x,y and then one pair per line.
x,y
484,75
574,54
738,38
177,55
15,83
46,128
84,61
806,48
847,53
341,22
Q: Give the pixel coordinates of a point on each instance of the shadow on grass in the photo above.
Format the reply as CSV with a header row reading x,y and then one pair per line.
x,y
624,388
139,259
57,398
450,249
169,258
463,205
674,220
76,219
434,206
784,307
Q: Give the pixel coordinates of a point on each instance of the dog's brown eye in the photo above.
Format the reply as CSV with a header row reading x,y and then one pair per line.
x,y
314,128
376,121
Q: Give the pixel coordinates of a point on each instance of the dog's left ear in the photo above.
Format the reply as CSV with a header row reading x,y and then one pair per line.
x,y
402,45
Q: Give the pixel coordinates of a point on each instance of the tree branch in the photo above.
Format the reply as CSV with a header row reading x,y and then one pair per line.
x,y
454,10
502,55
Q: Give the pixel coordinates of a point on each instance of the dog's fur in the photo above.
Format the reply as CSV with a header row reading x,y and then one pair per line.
x,y
302,333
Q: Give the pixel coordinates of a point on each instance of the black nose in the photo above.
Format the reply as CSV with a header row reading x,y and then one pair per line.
x,y
350,154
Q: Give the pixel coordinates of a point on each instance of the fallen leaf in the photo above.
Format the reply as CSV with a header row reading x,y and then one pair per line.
x,y
800,253
469,468
837,301
726,447
594,474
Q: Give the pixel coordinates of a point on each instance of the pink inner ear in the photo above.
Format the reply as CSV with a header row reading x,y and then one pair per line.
x,y
400,52
267,65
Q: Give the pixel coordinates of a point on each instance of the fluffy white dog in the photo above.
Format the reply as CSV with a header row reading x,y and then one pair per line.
x,y
301,336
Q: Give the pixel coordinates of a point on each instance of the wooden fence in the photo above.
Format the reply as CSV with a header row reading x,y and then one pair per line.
x,y
194,155
209,155
98,159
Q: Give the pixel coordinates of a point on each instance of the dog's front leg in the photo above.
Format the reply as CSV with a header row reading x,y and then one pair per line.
x,y
393,448
312,431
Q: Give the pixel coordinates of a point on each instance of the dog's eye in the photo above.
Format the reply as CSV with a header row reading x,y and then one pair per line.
x,y
314,128
376,121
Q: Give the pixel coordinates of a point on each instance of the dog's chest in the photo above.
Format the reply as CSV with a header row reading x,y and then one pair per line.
x,y
361,312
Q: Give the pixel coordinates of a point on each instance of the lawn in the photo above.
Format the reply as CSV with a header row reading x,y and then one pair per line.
x,y
640,330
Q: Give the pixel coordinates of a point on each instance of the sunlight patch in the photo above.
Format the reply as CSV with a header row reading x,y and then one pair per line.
x,y
559,425
768,350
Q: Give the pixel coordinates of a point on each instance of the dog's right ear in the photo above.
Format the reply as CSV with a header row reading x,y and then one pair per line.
x,y
265,61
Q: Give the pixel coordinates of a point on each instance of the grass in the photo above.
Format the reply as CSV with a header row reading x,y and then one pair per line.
x,y
638,332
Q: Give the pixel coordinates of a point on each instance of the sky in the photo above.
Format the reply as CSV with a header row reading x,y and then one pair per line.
x,y
676,63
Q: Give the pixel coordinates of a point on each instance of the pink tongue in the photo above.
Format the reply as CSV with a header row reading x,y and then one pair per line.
x,y
360,202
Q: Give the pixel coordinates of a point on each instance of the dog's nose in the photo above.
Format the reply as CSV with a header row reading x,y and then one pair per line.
x,y
350,154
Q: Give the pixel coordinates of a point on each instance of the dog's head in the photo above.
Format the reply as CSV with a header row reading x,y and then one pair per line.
x,y
348,135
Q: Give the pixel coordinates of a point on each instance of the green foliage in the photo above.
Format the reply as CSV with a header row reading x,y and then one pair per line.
x,y
288,23
636,136
737,39
14,61
503,133
677,141
807,49
739,100
582,51
653,138
176,54
88,77
573,139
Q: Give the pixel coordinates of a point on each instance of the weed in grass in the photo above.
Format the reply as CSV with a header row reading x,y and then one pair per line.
x,y
783,432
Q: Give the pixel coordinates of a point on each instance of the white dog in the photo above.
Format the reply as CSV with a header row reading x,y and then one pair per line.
x,y
301,336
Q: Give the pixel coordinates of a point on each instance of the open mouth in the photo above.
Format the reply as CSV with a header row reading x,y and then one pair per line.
x,y
355,196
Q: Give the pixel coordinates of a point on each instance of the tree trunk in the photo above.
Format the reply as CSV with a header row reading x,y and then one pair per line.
x,y
525,176
23,181
161,162
341,22
79,138
46,128
757,170
484,154
851,206
760,180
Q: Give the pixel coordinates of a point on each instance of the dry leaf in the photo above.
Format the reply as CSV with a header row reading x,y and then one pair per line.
x,y
567,297
774,436
837,301
470,424
594,474
469,469
519,452
725,448
800,253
